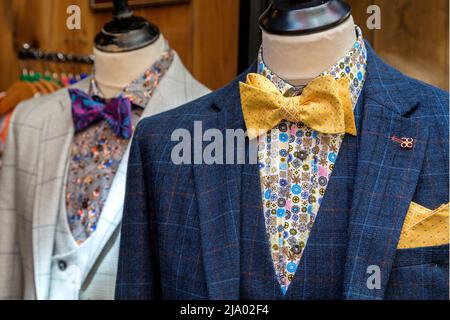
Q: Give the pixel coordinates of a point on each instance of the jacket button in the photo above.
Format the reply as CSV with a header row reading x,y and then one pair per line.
x,y
62,265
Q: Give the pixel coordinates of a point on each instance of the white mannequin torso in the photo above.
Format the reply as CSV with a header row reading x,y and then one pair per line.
x,y
113,71
299,59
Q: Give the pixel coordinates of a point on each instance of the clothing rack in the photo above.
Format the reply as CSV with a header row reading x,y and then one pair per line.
x,y
28,53
63,68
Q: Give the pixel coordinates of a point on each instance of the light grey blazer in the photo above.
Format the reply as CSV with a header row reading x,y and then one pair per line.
x,y
31,185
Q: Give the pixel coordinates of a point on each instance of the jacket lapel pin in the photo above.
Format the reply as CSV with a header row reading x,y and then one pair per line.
x,y
405,143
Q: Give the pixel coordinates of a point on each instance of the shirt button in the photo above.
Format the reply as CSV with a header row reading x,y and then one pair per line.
x,y
62,265
296,249
302,155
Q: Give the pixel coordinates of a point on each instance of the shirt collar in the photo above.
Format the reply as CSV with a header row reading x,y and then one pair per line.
x,y
352,65
140,90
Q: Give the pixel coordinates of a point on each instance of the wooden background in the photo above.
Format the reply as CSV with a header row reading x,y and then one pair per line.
x,y
414,35
203,32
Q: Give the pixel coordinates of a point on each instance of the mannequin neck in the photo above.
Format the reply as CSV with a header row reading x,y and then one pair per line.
x,y
299,59
114,71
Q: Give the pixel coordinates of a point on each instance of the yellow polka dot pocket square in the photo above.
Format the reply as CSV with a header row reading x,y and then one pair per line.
x,y
425,227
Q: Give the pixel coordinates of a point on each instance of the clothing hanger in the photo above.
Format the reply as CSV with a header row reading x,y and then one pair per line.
x,y
36,80
42,73
300,17
125,32
47,78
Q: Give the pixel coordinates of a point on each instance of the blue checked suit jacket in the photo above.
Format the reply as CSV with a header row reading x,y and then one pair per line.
x,y
181,232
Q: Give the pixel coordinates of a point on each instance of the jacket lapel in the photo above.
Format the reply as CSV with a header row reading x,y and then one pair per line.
x,y
163,99
218,191
385,182
110,217
176,88
53,158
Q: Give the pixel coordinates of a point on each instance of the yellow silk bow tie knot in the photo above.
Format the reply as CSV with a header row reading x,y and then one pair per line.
x,y
324,105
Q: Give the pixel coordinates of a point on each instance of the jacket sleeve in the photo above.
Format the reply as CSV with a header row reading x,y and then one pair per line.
x,y
137,273
11,271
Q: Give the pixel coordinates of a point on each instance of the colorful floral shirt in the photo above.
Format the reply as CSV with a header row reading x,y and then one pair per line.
x,y
295,165
96,154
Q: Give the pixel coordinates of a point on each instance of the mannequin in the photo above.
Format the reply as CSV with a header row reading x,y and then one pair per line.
x,y
128,43
298,57
64,261
127,66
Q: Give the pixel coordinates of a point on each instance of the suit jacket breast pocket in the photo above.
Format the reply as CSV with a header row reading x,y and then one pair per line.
x,y
425,227
420,274
420,269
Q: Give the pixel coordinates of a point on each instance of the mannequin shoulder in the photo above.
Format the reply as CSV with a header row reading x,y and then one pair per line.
x,y
182,116
180,85
35,111
428,91
199,89
433,101
57,104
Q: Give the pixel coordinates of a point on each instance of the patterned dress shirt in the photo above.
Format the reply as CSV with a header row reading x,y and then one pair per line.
x,y
96,154
295,165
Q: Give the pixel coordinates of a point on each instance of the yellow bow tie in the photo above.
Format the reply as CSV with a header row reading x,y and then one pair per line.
x,y
324,105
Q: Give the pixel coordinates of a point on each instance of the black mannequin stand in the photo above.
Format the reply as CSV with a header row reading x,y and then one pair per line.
x,y
125,32
300,17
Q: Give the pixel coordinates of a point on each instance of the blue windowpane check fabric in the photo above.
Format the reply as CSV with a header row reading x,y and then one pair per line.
x,y
193,232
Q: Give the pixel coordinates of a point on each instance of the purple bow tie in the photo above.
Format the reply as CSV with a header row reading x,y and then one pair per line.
x,y
87,110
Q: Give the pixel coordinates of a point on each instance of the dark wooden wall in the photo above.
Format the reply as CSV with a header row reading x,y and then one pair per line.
x,y
414,35
203,32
